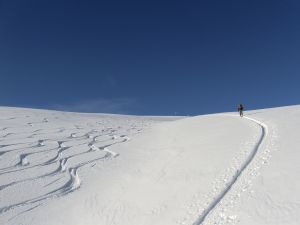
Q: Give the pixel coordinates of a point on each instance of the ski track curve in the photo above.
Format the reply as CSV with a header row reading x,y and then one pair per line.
x,y
59,153
217,199
66,142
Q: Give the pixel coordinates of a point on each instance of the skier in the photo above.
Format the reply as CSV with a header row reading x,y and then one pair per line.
x,y
240,110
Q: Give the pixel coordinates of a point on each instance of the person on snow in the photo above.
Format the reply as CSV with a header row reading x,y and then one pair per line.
x,y
241,110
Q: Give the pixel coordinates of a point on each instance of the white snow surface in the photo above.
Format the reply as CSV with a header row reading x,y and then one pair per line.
x,y
63,168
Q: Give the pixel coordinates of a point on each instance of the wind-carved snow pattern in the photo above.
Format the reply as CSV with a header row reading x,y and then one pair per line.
x,y
48,153
214,209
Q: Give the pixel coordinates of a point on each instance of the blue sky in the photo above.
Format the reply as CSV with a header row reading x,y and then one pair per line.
x,y
149,57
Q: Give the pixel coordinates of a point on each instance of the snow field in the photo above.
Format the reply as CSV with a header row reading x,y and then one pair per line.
x,y
72,169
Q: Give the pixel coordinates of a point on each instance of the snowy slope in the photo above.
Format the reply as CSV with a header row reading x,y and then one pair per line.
x,y
273,196
69,168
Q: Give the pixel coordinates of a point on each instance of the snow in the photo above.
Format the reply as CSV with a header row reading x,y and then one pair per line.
x,y
73,168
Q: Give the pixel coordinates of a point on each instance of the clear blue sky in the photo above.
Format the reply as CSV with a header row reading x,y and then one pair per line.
x,y
149,57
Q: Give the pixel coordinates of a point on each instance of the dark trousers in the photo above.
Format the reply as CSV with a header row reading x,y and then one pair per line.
x,y
241,113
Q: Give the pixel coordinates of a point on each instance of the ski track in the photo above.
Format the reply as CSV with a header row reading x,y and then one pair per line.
x,y
48,153
74,141
218,198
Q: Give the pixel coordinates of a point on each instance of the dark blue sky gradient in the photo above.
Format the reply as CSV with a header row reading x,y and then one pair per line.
x,y
149,57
